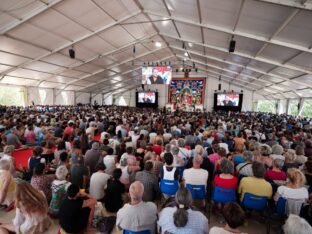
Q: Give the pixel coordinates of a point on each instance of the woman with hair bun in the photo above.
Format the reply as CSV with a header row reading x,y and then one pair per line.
x,y
181,218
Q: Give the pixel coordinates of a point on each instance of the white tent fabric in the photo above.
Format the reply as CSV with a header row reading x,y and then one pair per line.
x,y
272,57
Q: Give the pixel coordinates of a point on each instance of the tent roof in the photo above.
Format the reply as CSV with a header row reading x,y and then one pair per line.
x,y
273,54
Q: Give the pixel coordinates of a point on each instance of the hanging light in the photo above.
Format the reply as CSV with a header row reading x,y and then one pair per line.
x,y
157,44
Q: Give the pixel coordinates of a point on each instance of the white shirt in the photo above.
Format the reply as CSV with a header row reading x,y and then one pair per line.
x,y
195,176
298,193
225,146
98,183
184,153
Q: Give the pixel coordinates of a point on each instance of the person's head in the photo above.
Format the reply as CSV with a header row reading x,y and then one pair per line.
x,y
265,150
296,177
295,225
73,191
233,214
299,150
129,150
277,149
168,158
278,163
155,72
215,147
258,169
63,156
159,142
168,148
37,151
308,166
100,166
175,150
8,149
248,156
197,161
221,152
199,150
39,169
95,146
29,199
181,142
61,173
148,165
117,174
136,191
110,151
226,166
183,199
290,156
4,164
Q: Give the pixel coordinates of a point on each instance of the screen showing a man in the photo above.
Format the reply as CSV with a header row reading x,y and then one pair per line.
x,y
231,99
156,75
147,97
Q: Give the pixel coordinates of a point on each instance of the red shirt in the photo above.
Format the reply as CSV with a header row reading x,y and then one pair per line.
x,y
157,149
275,175
225,183
68,131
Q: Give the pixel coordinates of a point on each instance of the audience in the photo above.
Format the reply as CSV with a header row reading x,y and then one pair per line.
x,y
111,150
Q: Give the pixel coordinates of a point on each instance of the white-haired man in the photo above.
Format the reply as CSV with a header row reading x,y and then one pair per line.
x,y
137,215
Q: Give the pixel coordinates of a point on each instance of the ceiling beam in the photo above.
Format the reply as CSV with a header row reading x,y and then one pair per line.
x,y
231,32
74,42
301,4
30,15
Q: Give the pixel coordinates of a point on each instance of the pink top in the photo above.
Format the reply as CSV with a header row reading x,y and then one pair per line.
x,y
214,157
30,137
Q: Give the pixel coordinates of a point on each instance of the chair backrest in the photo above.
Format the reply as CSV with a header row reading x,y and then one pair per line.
x,y
180,170
254,202
169,187
223,195
139,232
197,191
281,206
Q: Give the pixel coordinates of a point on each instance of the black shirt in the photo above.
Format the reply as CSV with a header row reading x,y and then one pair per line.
x,y
73,217
158,80
113,195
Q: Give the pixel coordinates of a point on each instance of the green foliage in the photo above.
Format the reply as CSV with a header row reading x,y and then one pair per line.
x,y
266,106
307,108
293,107
11,96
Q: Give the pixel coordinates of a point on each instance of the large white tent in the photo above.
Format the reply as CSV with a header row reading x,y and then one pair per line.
x,y
272,59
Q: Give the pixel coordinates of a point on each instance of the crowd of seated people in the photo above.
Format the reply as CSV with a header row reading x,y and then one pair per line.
x,y
155,171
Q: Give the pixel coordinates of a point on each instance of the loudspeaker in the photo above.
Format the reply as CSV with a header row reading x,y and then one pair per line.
x,y
232,46
142,86
219,87
72,53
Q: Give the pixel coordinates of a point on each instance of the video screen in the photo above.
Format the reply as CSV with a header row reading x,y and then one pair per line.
x,y
228,99
147,97
156,75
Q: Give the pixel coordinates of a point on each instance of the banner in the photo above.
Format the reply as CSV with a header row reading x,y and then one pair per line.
x,y
186,92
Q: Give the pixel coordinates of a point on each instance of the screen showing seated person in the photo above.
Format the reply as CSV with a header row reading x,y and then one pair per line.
x,y
156,75
147,97
228,99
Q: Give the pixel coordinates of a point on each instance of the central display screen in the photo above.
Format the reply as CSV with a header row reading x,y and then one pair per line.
x,y
227,99
147,97
156,75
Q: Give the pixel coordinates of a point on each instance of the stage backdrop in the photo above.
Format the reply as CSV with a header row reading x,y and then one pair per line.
x,y
186,92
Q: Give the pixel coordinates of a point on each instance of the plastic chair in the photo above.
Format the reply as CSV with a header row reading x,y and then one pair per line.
x,y
223,195
139,232
169,187
197,191
254,202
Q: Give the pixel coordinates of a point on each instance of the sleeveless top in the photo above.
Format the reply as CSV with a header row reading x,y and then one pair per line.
x,y
168,175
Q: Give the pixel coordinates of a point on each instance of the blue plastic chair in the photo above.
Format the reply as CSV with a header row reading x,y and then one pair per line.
x,y
197,191
223,195
281,206
254,202
139,232
169,187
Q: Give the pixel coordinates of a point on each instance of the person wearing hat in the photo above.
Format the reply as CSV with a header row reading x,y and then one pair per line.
x,y
92,157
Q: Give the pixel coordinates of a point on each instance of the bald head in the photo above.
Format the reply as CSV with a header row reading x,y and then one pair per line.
x,y
136,191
